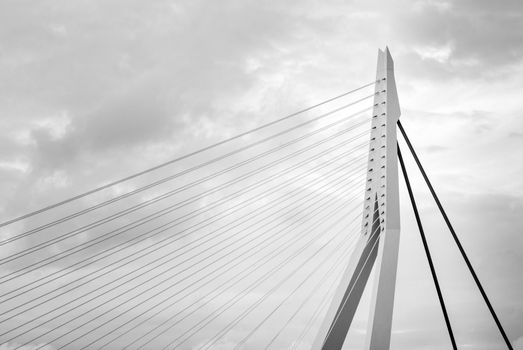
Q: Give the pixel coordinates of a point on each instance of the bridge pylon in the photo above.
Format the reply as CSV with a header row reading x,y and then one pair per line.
x,y
378,243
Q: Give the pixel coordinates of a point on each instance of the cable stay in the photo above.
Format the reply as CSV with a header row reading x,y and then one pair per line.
x,y
307,299
300,285
313,226
170,241
264,211
224,331
249,200
33,266
456,239
267,275
194,183
62,335
325,276
206,178
171,237
143,172
427,251
212,234
254,219
149,288
182,338
247,272
321,306
225,308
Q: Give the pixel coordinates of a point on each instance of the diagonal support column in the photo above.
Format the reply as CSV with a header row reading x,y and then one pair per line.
x,y
378,243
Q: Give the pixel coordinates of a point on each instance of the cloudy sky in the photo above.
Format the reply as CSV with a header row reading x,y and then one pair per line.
x,y
91,91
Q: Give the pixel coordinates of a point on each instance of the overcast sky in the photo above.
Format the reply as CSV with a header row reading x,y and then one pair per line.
x,y
91,91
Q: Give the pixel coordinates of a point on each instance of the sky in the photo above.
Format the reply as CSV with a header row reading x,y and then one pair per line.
x,y
92,91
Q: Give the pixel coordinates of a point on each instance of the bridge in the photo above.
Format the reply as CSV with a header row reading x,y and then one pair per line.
x,y
266,239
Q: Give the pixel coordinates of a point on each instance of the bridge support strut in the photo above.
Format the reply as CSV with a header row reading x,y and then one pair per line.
x,y
378,243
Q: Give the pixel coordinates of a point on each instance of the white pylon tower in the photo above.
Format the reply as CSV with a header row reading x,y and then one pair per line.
x,y
378,243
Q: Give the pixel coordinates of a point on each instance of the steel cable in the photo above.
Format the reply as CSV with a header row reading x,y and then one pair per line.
x,y
68,311
68,269
162,212
8,222
185,187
